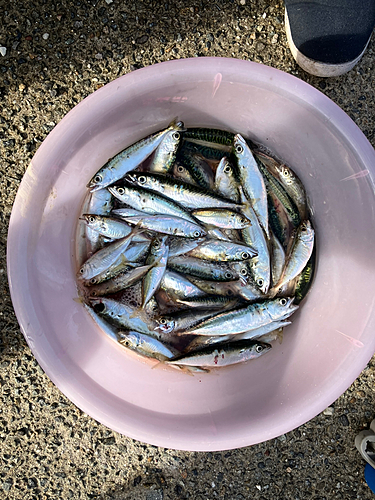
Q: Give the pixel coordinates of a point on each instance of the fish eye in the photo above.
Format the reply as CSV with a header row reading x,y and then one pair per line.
x,y
162,321
180,168
91,218
98,178
259,348
82,270
260,282
176,136
93,281
283,301
304,228
227,169
242,220
285,172
142,179
245,255
228,274
120,190
239,149
99,308
243,272
156,244
196,234
229,293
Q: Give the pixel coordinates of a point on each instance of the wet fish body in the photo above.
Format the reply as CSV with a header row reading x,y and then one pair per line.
x,y
191,197
129,158
223,355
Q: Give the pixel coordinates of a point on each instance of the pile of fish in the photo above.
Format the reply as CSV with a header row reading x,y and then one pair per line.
x,y
195,248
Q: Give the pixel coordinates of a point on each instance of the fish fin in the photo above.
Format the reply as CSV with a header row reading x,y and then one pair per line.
x,y
79,300
280,335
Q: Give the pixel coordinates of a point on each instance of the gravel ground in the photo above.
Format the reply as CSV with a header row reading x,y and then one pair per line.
x,y
53,54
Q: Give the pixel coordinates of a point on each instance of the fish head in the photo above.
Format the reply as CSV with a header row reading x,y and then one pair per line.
x,y
239,145
286,174
306,232
198,234
130,340
91,220
224,167
260,348
165,324
102,178
117,191
281,307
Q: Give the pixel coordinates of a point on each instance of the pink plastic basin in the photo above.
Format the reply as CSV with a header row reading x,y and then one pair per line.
x,y
332,335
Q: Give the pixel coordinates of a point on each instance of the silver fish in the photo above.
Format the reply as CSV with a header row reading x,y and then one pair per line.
x,y
300,253
168,224
252,180
223,354
147,346
176,286
182,173
221,217
165,153
214,271
290,181
245,318
119,282
129,158
150,202
158,260
105,257
226,183
261,333
189,196
223,251
120,314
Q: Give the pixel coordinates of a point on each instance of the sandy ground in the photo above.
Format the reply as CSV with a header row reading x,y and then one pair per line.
x,y
57,53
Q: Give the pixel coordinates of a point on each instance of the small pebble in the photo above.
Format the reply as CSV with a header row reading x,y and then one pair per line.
x,y
21,87
108,1
328,411
243,2
45,36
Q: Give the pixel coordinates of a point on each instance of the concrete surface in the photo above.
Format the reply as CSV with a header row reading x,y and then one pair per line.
x,y
57,53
